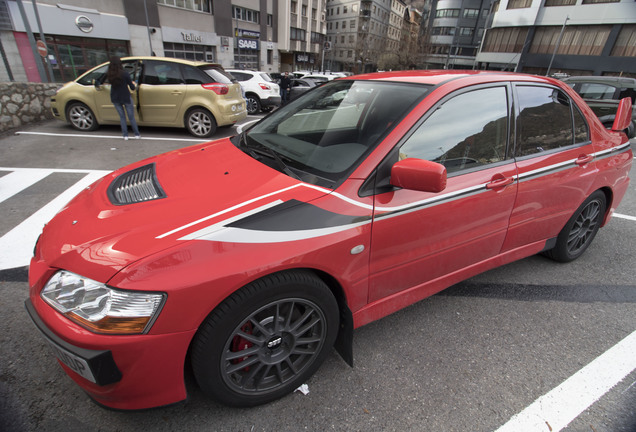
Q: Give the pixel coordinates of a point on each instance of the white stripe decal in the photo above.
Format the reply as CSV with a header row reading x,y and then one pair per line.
x,y
557,408
370,207
205,233
239,235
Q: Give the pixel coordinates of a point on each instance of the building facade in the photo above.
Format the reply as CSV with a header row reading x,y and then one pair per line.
x,y
455,32
268,35
573,37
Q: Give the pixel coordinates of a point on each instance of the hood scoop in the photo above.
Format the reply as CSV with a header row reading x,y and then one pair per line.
x,y
138,185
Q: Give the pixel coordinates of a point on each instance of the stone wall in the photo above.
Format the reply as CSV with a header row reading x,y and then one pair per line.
x,y
23,103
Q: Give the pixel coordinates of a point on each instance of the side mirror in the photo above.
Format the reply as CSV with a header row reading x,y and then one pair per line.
x,y
623,115
418,174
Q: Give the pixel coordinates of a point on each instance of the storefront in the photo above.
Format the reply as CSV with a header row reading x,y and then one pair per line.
x,y
77,38
190,44
247,49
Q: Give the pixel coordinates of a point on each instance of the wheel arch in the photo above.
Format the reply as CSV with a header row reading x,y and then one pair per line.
x,y
191,108
70,102
609,198
344,339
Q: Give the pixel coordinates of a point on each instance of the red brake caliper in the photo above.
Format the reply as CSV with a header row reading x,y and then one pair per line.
x,y
239,343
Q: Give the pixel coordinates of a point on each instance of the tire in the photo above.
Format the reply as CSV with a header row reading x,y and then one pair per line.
x,y
580,230
266,339
81,117
200,123
253,104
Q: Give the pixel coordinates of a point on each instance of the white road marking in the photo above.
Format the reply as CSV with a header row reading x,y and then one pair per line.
x,y
17,181
622,216
117,137
557,408
16,246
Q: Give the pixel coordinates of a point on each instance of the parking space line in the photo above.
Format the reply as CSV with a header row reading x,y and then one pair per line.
x,y
557,408
117,137
16,246
16,181
622,216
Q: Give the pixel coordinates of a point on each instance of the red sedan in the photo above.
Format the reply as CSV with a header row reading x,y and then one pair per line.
x,y
251,257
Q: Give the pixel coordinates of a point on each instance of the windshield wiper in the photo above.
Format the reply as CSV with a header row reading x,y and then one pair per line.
x,y
263,150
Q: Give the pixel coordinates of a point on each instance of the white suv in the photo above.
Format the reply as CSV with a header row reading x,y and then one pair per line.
x,y
261,92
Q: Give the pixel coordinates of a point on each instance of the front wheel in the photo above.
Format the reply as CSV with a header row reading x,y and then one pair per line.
x,y
81,117
200,123
580,230
266,339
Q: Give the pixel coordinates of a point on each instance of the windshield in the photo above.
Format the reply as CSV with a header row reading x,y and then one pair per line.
x,y
323,135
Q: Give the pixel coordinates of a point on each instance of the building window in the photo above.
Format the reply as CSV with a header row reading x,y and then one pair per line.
x,y
270,20
304,10
626,42
248,15
600,1
519,4
471,13
294,7
560,2
447,13
270,56
443,31
190,52
196,5
466,31
298,34
316,38
508,40
576,40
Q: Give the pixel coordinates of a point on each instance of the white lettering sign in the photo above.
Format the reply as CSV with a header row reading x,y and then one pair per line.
x,y
248,44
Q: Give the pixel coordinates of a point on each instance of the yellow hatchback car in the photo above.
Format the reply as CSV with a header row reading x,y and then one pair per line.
x,y
171,92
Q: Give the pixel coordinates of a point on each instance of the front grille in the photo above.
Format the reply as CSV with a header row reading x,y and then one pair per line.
x,y
136,186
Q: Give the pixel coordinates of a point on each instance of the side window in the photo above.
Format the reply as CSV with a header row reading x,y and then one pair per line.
x,y
544,122
581,131
132,67
467,131
162,73
597,91
96,75
240,76
194,75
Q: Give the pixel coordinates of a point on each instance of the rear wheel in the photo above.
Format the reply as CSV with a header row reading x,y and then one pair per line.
x,y
266,339
253,104
580,230
200,123
81,117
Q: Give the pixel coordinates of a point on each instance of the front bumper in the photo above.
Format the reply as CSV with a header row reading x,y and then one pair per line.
x,y
127,372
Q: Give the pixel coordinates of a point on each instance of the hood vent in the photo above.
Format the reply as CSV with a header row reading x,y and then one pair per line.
x,y
136,186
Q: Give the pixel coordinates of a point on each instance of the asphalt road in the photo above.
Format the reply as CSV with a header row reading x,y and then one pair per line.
x,y
467,359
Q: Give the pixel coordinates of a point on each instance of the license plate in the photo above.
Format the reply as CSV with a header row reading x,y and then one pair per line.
x,y
77,364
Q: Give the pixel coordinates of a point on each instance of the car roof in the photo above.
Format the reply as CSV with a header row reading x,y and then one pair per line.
x,y
603,80
174,60
437,77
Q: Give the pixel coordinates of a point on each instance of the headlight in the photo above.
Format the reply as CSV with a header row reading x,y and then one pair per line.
x,y
99,308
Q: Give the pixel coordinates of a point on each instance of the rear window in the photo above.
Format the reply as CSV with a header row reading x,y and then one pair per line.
x,y
217,74
266,77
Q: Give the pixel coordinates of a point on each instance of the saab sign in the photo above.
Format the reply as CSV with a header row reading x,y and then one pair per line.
x,y
248,44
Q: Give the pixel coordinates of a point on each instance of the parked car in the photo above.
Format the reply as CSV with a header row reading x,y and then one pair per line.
x,y
248,258
603,93
172,92
321,78
261,92
300,86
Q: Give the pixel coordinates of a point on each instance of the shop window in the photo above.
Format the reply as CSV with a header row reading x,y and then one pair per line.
x,y
195,5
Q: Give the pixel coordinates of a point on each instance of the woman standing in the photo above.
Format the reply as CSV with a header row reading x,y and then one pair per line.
x,y
120,82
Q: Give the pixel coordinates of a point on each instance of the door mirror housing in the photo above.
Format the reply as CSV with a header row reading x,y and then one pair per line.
x,y
623,115
418,174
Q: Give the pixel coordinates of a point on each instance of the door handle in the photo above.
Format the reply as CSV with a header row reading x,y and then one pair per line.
x,y
584,160
176,92
500,182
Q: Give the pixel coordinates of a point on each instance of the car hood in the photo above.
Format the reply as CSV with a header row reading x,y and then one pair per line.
x,y
201,187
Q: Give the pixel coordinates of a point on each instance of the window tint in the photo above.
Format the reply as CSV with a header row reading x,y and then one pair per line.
x,y
545,120
95,75
240,76
218,74
192,75
467,131
581,131
597,91
162,73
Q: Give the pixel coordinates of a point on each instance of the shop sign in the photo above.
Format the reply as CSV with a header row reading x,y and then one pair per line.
x,y
84,24
248,44
304,58
247,34
191,37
